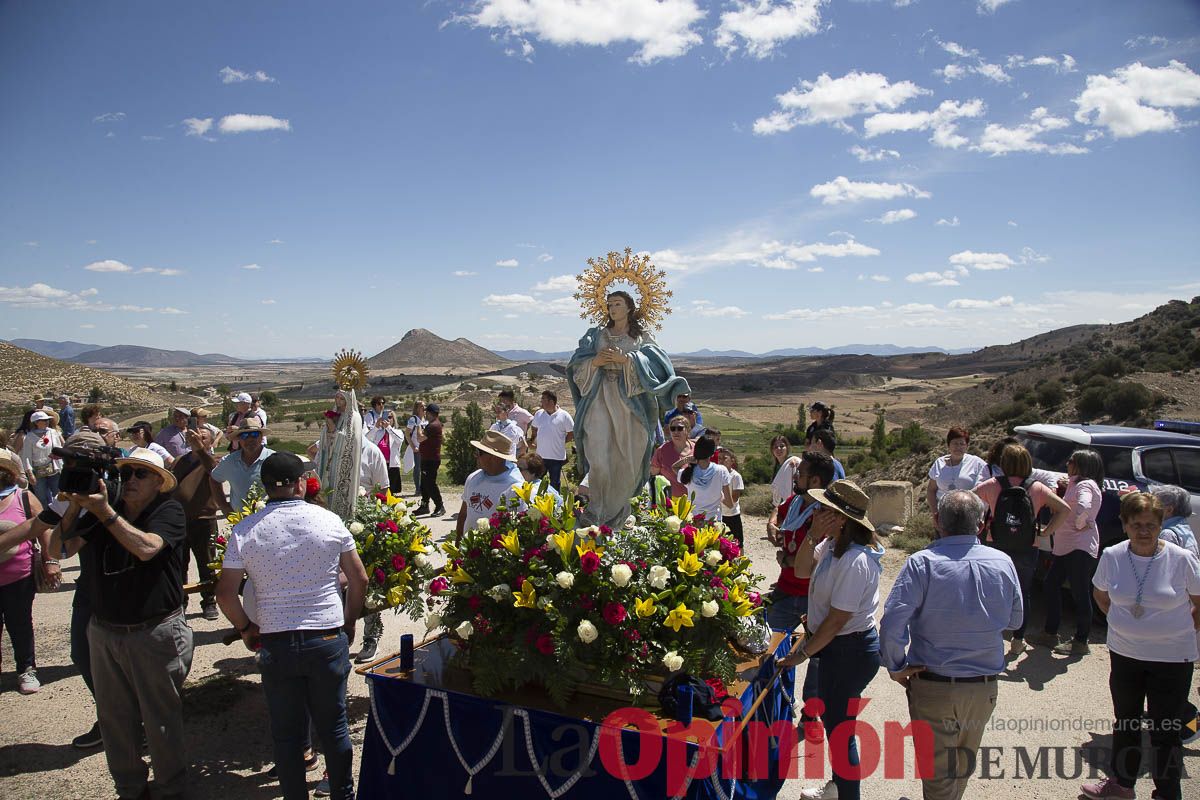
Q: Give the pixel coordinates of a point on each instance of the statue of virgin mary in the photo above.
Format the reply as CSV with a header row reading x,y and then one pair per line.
x,y
619,380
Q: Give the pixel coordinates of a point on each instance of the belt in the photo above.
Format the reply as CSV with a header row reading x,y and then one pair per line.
x,y
933,676
145,625
306,634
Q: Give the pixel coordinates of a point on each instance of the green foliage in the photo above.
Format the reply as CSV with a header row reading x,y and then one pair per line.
x,y
917,534
95,395
912,439
1051,394
290,445
173,386
268,399
879,436
758,469
1127,400
1090,402
458,452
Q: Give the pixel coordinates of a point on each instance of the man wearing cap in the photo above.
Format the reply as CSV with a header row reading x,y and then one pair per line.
x,y
242,404
66,415
201,415
241,467
141,644
941,637
173,437
197,492
303,626
430,438
490,485
691,412
41,466
682,401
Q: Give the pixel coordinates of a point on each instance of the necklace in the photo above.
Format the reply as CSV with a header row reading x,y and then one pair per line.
x,y
1138,610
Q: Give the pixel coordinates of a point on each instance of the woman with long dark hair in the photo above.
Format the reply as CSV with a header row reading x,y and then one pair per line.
x,y
819,416
707,483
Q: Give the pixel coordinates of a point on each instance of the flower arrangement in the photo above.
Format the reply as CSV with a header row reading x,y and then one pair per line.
x,y
395,550
533,599
256,500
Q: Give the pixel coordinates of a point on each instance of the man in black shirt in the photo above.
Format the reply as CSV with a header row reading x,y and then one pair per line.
x,y
141,644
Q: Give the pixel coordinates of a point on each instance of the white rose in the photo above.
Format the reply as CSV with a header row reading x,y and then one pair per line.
x,y
587,632
433,621
534,514
621,574
362,491
421,560
630,522
356,527
483,524
659,576
673,523
500,591
709,608
742,580
404,521
673,661
464,630
565,579
712,557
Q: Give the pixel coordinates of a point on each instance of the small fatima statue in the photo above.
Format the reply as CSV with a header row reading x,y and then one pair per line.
x,y
620,380
340,448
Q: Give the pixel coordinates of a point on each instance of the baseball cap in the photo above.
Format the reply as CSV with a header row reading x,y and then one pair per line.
x,y
434,407
241,397
690,407
281,468
38,416
187,412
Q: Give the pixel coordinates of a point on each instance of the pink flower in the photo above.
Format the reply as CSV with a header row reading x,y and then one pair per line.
x,y
380,575
474,552
221,540
717,582
398,562
544,526
390,526
605,530
730,549
497,542
689,535
614,613
632,635
494,520
589,562
438,585
381,497
475,601
755,598
545,644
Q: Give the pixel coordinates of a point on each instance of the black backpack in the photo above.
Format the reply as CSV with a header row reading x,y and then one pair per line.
x,y
1014,524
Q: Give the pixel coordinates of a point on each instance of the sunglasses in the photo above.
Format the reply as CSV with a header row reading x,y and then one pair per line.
x,y
249,435
105,431
676,428
141,473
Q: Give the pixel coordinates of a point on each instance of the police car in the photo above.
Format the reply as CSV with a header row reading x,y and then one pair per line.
x,y
1134,458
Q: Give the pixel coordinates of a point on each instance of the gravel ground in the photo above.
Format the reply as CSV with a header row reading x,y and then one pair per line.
x,y
1046,701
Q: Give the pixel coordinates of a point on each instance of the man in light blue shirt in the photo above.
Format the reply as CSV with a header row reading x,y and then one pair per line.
x,y
241,467
952,601
492,484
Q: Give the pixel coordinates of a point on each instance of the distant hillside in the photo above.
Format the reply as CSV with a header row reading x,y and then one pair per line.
x,y
533,355
129,355
54,349
24,373
421,348
844,350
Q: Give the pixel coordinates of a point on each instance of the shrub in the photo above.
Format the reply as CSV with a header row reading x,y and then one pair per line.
x,y
268,399
460,455
1091,401
1127,399
917,534
758,469
1051,394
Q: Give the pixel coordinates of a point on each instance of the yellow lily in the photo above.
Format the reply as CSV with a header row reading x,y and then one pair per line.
x,y
563,542
418,546
451,550
460,575
392,500
644,608
724,569
396,595
526,598
370,540
511,542
680,617
742,607
689,565
682,506
703,539
588,545
523,491
544,503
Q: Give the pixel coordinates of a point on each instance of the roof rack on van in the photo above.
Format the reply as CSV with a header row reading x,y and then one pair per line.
x,y
1177,426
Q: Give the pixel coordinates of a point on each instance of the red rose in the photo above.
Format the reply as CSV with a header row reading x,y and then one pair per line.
x,y
221,540
614,613
380,575
398,562
545,644
474,601
437,586
390,526
381,497
589,562
312,487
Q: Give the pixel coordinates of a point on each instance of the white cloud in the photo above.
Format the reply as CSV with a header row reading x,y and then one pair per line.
x,y
252,123
777,255
110,116
1000,302
559,283
152,138
942,121
545,257
946,278
92,241
820,313
108,265
508,262
982,261
876,278
167,272
251,266
1063,63
32,244
763,25
523,303
1137,99
231,75
705,308
998,140
948,223
171,310
898,215
660,28
833,100
275,241
87,326
464,273
1031,256
1146,41
978,66
843,190
916,308
865,154
1012,224
40,295
198,127
268,302
990,6
141,326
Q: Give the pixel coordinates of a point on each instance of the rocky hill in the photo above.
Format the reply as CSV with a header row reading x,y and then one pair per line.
x,y
24,373
54,349
128,355
421,348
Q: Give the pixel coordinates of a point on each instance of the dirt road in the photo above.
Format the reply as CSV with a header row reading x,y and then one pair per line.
x,y
1051,708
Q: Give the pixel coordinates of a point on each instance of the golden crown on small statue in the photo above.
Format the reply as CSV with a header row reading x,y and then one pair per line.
x,y
350,370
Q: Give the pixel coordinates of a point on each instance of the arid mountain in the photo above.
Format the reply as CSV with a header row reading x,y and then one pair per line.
x,y
128,355
54,349
421,348
24,373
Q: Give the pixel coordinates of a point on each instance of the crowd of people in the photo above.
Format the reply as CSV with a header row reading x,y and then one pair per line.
x,y
292,583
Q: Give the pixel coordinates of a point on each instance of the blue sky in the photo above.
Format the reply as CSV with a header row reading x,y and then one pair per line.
x,y
293,178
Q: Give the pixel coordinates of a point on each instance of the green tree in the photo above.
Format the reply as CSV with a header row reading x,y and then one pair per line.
x,y
173,387
879,436
1051,394
95,395
460,455
268,399
1127,399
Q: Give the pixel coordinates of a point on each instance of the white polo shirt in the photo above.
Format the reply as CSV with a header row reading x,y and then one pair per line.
x,y
552,430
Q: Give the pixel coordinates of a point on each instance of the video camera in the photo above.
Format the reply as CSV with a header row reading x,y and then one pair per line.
x,y
86,467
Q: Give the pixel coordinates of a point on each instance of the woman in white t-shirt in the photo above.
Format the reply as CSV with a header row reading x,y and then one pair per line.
x,y
731,514
781,485
956,470
844,559
707,483
1150,590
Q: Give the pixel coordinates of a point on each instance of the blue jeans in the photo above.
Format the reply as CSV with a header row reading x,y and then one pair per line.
x,y
784,615
304,676
554,468
848,664
1075,566
46,488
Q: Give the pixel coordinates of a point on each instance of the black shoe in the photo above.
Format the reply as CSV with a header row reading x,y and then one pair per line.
x,y
368,651
310,764
439,512
422,511
86,741
210,610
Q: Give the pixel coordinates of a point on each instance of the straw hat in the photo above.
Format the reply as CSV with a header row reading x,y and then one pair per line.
x,y
10,462
53,415
251,423
847,499
497,444
141,457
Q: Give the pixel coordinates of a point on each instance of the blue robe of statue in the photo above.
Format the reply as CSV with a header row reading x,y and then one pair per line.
x,y
617,410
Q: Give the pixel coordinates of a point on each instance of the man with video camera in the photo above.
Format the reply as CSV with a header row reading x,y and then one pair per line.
x,y
132,535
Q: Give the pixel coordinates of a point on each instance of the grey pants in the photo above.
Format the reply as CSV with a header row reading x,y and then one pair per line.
x,y
139,676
